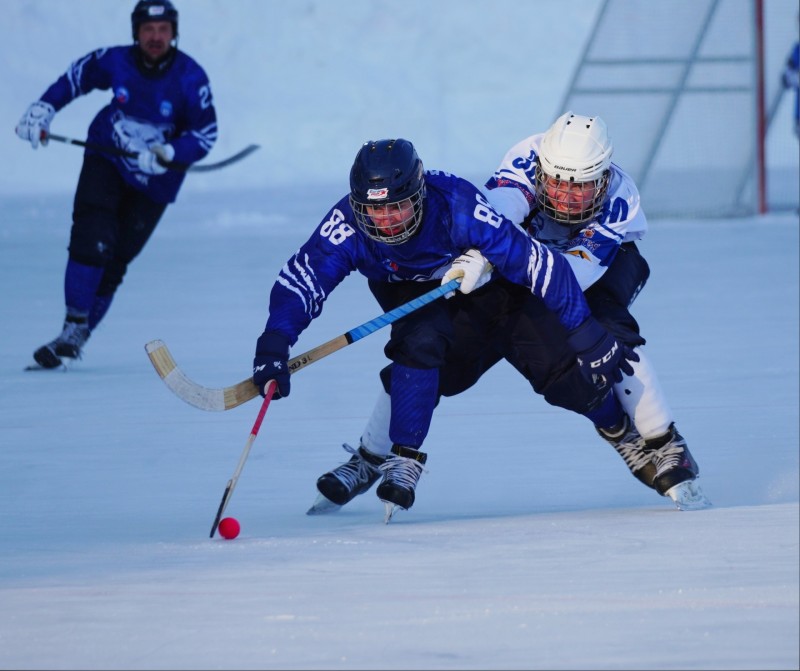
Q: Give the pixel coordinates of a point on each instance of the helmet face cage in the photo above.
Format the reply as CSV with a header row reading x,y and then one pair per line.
x,y
567,200
387,190
573,168
154,10
390,223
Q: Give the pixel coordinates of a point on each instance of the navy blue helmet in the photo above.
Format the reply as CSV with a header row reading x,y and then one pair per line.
x,y
387,188
153,10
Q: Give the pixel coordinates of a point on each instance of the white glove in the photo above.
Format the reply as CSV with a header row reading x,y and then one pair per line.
x,y
474,269
36,121
148,159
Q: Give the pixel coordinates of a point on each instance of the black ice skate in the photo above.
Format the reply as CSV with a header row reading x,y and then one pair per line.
x,y
401,472
676,470
345,482
67,345
625,439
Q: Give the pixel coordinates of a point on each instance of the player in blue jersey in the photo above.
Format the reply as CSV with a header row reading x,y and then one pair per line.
x,y
790,78
407,230
162,110
562,188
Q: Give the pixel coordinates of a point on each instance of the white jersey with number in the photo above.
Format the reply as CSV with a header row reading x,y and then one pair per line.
x,y
589,248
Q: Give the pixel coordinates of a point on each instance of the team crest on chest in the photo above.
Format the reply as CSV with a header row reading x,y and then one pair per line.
x,y
122,95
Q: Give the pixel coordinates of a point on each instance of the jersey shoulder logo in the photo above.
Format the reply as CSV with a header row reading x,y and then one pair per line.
x,y
579,253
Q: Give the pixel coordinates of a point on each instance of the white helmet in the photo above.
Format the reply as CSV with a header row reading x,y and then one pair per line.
x,y
573,168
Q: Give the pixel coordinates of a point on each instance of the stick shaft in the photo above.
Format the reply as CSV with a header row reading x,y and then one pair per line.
x,y
172,165
359,332
214,399
226,495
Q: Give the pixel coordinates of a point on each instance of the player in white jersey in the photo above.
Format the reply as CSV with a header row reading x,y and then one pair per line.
x,y
561,187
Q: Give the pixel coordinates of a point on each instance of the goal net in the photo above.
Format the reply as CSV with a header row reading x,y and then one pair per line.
x,y
678,84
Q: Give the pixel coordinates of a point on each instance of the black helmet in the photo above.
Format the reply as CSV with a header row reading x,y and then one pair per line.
x,y
387,173
153,10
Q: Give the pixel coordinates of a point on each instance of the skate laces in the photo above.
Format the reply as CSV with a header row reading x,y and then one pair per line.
x,y
402,471
629,444
74,334
671,455
355,472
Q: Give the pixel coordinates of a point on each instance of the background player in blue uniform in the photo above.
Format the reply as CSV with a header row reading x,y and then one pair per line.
x,y
161,108
406,230
790,78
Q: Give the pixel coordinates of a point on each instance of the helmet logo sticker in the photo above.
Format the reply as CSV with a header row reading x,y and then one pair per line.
x,y
377,194
156,10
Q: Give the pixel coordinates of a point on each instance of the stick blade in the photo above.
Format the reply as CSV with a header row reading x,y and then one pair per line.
x,y
226,495
192,393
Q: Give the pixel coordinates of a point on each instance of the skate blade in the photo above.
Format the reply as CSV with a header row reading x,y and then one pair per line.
x,y
322,506
689,496
35,366
390,509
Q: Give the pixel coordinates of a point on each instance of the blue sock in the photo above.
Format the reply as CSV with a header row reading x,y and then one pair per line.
x,y
413,395
80,286
609,413
99,309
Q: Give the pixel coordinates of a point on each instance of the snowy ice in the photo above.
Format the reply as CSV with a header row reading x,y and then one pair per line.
x,y
530,546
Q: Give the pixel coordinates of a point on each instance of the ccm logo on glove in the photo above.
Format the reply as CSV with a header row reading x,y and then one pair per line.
x,y
602,358
606,358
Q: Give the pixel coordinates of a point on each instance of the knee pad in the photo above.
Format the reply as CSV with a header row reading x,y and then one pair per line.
x,y
572,391
89,247
422,347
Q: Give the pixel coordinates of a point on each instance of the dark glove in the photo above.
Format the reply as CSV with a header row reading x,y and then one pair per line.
x,y
271,363
602,358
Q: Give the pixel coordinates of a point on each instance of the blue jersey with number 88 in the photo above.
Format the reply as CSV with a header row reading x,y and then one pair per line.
x,y
456,217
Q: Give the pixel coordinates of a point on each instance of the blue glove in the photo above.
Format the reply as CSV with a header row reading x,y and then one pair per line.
x,y
271,363
602,358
